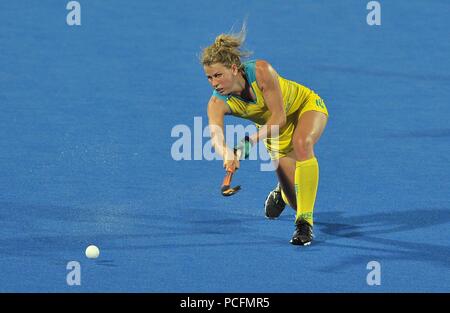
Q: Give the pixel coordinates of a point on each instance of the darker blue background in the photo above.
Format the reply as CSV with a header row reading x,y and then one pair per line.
x,y
86,115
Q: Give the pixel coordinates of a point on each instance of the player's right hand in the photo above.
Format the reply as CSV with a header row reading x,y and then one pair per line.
x,y
231,161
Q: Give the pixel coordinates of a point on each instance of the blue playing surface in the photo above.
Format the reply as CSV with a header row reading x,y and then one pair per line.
x,y
86,115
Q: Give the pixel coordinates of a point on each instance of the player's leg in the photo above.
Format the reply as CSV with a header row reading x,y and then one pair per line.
x,y
308,131
284,192
286,177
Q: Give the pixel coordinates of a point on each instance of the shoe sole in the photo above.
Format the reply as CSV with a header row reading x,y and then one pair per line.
x,y
300,244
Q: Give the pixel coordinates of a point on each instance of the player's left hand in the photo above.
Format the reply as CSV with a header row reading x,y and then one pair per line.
x,y
244,146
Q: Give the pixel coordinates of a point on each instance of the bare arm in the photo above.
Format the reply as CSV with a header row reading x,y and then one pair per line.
x,y
267,80
216,112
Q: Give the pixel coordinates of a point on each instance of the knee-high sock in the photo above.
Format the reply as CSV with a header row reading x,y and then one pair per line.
x,y
306,182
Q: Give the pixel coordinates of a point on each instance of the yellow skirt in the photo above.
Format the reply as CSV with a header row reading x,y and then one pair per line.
x,y
278,147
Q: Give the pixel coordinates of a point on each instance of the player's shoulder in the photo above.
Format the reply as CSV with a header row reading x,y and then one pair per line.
x,y
216,100
262,64
218,103
256,65
264,72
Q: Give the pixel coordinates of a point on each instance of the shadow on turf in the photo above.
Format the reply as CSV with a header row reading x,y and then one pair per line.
x,y
425,133
368,233
42,230
59,232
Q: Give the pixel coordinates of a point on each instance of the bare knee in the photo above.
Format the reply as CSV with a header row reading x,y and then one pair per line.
x,y
304,147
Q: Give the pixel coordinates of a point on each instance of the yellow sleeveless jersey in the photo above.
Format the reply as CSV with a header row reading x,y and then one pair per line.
x,y
297,99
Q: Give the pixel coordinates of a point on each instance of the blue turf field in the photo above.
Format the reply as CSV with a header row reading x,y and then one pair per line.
x,y
85,148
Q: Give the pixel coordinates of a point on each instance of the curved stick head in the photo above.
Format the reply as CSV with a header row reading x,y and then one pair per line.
x,y
227,191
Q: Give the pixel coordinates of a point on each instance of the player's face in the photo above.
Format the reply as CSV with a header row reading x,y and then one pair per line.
x,y
221,78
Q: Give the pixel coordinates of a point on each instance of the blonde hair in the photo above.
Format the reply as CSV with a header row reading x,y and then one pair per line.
x,y
226,49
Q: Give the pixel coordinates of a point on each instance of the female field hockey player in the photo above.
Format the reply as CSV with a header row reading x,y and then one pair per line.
x,y
296,116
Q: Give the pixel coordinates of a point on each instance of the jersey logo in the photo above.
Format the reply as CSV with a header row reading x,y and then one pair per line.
x,y
320,103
